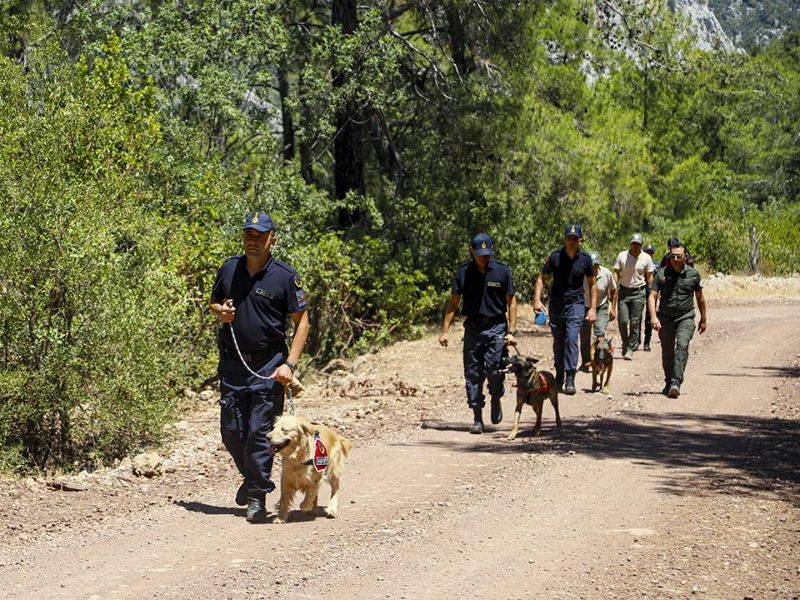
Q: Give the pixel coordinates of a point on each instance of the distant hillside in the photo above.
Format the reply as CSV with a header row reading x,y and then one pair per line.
x,y
751,23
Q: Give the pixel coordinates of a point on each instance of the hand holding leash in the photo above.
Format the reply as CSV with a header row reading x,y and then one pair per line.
x,y
283,375
228,313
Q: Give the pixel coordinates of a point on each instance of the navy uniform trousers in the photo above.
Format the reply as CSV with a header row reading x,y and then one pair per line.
x,y
483,348
565,325
249,407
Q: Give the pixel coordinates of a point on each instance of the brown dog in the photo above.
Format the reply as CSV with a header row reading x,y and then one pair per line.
x,y
602,363
311,452
533,387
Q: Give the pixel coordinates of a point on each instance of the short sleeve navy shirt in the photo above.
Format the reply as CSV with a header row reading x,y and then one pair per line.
x,y
263,301
484,294
568,274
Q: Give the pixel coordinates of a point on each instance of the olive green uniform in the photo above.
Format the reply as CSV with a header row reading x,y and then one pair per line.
x,y
676,313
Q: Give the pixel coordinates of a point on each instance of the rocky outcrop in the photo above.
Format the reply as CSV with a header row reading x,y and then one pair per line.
x,y
703,25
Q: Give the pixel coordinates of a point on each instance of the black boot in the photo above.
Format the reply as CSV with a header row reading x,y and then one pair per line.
x,y
255,510
477,426
569,386
559,380
241,494
497,411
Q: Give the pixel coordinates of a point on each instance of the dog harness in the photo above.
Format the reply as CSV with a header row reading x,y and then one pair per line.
x,y
320,460
544,385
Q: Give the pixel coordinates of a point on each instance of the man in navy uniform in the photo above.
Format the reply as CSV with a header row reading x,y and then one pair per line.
x,y
567,267
254,294
487,287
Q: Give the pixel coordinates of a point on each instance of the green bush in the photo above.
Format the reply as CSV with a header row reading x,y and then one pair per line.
x,y
89,313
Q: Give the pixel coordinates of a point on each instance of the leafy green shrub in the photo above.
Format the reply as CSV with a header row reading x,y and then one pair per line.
x,y
89,313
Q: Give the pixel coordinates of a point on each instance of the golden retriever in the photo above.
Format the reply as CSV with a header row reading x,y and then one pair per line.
x,y
295,440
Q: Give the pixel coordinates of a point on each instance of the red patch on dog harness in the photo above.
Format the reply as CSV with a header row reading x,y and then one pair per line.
x,y
320,462
544,385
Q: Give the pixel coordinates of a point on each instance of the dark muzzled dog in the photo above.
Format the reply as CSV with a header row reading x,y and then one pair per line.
x,y
533,387
602,364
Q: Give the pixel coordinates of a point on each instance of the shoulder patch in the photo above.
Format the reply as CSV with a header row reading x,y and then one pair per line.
x,y
300,296
298,282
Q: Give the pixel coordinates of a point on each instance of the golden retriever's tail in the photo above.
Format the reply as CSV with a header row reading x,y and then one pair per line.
x,y
345,445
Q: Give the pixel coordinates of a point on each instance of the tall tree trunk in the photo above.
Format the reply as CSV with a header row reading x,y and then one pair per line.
x,y
286,114
458,40
755,253
347,152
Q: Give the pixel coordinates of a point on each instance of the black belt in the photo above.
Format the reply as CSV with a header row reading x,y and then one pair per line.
x,y
253,357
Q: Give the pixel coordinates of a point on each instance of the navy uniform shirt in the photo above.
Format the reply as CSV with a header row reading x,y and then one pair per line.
x,y
677,290
568,274
263,302
484,294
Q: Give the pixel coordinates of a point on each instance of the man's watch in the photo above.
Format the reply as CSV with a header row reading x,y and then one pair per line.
x,y
291,365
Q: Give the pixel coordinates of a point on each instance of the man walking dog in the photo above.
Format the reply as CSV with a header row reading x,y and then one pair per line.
x,y
253,296
567,267
634,272
676,287
487,287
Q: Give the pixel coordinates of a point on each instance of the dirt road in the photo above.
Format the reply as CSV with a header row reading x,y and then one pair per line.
x,y
637,496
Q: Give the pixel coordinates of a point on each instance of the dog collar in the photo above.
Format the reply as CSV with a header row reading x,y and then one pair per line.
x,y
320,453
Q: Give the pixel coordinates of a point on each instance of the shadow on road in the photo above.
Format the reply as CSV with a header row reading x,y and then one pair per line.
x,y
720,454
295,516
209,509
765,372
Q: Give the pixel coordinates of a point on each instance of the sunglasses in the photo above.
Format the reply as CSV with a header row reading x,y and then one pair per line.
x,y
676,256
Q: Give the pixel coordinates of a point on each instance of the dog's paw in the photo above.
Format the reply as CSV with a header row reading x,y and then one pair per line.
x,y
511,438
331,514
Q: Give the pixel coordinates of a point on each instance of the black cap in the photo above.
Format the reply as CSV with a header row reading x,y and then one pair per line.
x,y
482,244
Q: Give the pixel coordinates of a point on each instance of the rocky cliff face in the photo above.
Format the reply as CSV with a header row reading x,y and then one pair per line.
x,y
703,24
